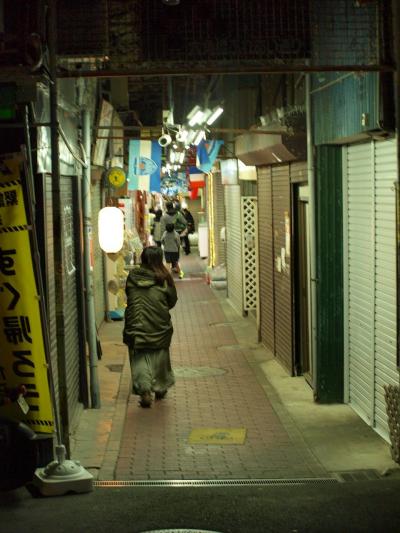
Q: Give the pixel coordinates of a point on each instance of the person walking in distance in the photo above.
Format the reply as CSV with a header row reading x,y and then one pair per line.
x,y
189,229
173,216
156,227
172,242
151,293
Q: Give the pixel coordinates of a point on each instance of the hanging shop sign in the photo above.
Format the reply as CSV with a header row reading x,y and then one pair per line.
x,y
22,358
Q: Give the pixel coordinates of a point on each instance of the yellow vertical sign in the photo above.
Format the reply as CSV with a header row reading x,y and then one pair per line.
x,y
22,352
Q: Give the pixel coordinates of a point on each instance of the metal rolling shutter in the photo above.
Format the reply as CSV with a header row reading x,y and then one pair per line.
x,y
98,270
219,218
266,258
234,246
51,282
360,277
72,325
282,280
385,278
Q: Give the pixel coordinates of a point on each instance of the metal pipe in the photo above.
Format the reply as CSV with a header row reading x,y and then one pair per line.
x,y
89,293
63,431
312,226
194,70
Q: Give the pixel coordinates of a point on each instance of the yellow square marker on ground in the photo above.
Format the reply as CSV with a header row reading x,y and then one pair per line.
x,y
217,436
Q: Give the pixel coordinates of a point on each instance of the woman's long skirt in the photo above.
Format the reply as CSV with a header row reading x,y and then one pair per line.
x,y
151,370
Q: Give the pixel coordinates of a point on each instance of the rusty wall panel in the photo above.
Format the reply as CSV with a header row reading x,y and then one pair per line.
x,y
282,273
266,258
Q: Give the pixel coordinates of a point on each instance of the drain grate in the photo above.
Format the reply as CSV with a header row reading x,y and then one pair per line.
x,y
358,475
215,482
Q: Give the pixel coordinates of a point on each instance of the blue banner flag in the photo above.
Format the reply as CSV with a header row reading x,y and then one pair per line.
x,y
207,152
144,170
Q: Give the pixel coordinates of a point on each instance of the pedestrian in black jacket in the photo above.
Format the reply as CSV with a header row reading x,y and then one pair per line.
x,y
151,293
190,229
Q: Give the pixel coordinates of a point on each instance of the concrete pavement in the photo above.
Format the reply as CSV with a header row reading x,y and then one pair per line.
x,y
225,379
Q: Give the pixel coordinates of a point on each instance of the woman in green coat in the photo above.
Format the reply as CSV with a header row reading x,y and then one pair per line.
x,y
151,293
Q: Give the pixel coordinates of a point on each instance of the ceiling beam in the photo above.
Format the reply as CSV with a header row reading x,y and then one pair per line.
x,y
166,71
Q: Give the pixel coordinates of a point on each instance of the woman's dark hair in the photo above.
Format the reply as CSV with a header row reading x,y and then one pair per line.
x,y
158,214
152,257
169,227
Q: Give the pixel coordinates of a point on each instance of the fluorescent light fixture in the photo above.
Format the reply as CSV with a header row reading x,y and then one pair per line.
x,y
193,112
197,118
181,158
200,135
207,114
216,112
172,156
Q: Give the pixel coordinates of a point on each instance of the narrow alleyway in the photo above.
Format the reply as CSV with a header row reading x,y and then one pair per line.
x,y
225,381
217,389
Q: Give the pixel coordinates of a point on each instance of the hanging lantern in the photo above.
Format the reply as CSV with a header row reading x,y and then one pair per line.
x,y
111,229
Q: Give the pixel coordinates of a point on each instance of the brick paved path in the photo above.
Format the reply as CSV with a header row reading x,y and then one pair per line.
x,y
154,442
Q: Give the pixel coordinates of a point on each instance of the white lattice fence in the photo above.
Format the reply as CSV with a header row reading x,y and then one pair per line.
x,y
250,252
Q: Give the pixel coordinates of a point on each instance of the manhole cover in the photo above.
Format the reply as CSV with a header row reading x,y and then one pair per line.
x,y
217,436
180,531
197,372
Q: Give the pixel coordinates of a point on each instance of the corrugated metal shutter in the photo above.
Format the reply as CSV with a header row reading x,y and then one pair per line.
x,y
282,279
266,258
234,246
70,299
385,277
98,270
219,218
51,282
360,277
371,291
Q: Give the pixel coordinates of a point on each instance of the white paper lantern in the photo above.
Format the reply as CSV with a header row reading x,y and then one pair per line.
x,y
111,229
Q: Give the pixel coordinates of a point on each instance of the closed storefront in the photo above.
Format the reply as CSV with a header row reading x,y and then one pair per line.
x,y
50,280
370,170
266,258
216,218
277,305
234,246
68,373
282,264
